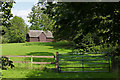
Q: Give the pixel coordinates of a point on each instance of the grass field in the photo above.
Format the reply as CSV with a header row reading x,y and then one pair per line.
x,y
22,70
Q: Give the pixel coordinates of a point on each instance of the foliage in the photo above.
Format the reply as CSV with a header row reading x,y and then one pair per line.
x,y
6,9
4,39
117,59
83,18
59,43
17,31
5,36
6,17
34,18
6,63
39,20
76,20
87,44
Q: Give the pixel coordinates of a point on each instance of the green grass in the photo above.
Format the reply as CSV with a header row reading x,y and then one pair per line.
x,y
34,48
23,70
27,73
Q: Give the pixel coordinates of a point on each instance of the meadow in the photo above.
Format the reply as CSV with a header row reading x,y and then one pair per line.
x,y
22,70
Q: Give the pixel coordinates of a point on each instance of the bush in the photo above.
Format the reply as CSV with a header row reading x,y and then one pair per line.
x,y
87,44
4,40
6,63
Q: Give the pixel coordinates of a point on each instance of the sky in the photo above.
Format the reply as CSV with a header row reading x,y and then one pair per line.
x,y
22,8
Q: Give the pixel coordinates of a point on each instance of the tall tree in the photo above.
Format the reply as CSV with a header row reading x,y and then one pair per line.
x,y
5,8
39,20
17,31
34,17
76,20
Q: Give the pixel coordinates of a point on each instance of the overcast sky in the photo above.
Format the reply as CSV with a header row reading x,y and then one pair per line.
x,y
22,8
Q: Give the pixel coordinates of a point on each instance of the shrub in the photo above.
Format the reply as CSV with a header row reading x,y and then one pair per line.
x,y
87,44
4,40
6,63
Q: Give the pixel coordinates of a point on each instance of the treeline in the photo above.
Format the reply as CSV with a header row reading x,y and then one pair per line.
x,y
14,30
91,27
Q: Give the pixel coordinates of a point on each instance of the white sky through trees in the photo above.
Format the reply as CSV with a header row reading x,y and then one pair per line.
x,y
22,8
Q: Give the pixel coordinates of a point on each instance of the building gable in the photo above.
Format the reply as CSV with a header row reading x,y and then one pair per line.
x,y
39,36
42,37
36,33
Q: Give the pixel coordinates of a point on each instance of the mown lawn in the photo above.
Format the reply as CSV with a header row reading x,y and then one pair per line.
x,y
24,73
34,48
22,70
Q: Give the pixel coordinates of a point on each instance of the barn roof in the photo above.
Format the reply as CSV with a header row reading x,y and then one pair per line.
x,y
36,33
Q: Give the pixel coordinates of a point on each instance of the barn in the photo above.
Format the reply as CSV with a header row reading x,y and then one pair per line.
x,y
39,36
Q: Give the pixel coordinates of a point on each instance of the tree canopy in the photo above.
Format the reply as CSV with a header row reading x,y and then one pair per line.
x,y
6,9
39,20
78,19
15,28
87,24
17,31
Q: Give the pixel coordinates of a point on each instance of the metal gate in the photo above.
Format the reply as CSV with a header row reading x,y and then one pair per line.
x,y
84,62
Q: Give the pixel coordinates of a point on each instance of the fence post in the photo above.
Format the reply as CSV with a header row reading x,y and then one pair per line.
x,y
31,61
113,61
108,55
82,63
56,62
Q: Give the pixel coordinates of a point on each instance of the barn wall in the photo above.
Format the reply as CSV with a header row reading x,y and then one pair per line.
x,y
49,40
32,39
42,37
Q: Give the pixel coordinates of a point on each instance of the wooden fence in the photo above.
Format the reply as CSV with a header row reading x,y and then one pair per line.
x,y
58,63
70,57
32,59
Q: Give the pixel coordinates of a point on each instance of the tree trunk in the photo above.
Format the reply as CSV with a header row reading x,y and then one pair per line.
x,y
113,61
